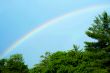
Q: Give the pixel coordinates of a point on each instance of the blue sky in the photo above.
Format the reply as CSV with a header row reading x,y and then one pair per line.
x,y
18,17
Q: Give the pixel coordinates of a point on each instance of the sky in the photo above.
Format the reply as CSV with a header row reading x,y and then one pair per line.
x,y
19,17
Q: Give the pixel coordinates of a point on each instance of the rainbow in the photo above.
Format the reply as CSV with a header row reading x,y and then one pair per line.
x,y
49,23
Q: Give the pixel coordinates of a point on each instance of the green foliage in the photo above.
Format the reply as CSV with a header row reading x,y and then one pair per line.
x,y
73,62
2,65
100,31
14,64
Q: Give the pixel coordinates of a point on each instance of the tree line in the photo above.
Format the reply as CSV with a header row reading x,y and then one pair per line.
x,y
95,58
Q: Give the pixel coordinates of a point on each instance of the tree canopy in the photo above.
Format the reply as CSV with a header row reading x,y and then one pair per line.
x,y
14,64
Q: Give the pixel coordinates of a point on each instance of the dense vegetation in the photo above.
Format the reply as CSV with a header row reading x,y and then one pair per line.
x,y
95,58
14,64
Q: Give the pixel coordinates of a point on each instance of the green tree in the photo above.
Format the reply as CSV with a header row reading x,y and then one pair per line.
x,y
100,31
14,64
2,65
73,61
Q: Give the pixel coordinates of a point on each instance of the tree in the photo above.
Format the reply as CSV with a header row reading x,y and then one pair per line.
x,y
2,65
100,31
14,64
73,62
